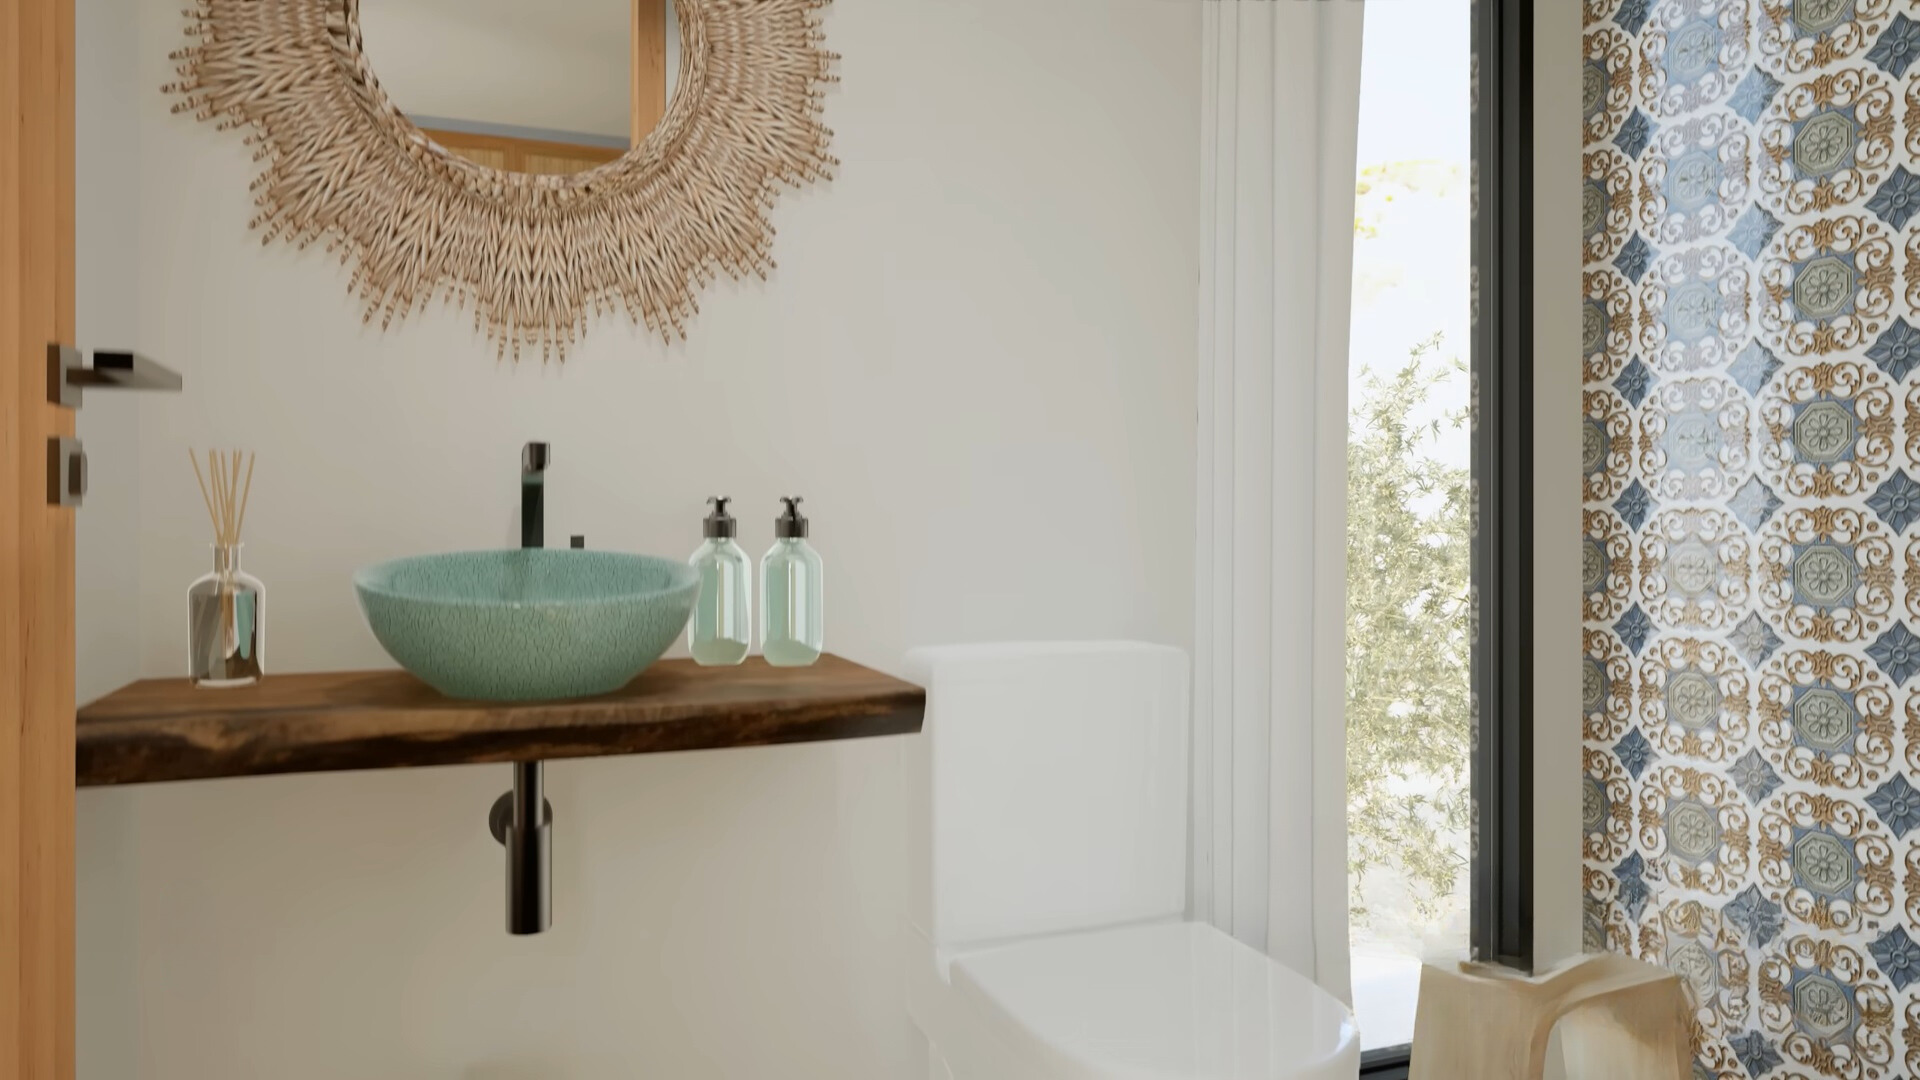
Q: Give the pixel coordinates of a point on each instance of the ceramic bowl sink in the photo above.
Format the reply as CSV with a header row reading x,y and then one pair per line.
x,y
522,625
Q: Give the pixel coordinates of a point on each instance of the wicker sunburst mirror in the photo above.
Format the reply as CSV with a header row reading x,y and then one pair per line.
x,y
534,255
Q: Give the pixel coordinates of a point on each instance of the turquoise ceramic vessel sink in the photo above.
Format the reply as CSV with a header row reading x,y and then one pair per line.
x,y
524,625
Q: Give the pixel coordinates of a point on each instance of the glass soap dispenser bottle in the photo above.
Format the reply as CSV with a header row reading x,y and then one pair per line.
x,y
790,634
720,631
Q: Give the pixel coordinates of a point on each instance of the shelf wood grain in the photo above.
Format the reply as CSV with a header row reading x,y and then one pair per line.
x,y
165,729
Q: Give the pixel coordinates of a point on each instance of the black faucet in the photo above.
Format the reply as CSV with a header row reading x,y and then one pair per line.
x,y
533,495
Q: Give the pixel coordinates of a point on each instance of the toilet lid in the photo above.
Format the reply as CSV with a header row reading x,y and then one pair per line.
x,y
1174,1001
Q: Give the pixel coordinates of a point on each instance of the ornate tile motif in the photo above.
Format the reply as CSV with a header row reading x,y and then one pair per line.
x,y
1606,444
1694,307
1695,830
1633,505
1606,206
1898,805
1754,504
1827,143
1829,430
1898,350
1694,178
1606,566
1754,777
1897,47
1695,699
1799,39
1606,808
1694,441
1606,327
1606,687
1633,381
1692,54
1751,652
1695,568
1753,231
1830,860
1827,575
1606,86
1827,1008
1754,94
1898,199
1827,287
1757,917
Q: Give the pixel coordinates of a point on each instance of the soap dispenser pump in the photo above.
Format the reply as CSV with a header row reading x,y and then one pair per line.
x,y
720,632
791,628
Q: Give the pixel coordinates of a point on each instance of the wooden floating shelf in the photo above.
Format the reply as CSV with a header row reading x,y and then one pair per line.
x,y
165,729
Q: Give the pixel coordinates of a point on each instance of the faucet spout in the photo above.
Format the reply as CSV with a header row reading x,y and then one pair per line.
x,y
533,495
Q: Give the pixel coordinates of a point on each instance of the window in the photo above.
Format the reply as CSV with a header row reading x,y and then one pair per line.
x,y
1419,662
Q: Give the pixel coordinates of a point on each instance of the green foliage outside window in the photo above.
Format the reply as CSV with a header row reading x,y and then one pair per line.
x,y
1409,711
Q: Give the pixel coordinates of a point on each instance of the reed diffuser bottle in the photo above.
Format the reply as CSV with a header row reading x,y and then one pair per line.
x,y
226,631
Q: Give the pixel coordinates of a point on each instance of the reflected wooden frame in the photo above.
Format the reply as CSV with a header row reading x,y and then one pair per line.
x,y
535,256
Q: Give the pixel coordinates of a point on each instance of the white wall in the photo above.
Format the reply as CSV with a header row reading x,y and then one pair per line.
x,y
977,362
107,270
106,315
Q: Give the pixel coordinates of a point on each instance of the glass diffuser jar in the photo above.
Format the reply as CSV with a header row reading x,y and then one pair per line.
x,y
226,635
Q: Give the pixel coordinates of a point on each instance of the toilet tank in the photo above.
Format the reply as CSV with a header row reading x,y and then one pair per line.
x,y
1048,789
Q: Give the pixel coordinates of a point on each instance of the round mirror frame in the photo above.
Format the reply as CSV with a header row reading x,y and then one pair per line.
x,y
534,255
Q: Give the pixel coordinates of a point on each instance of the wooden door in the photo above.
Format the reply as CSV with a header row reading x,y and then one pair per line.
x,y
650,87
36,545
512,154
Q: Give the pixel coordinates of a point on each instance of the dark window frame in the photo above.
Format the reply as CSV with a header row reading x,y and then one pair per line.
x,y
1501,919
1502,361
1388,1063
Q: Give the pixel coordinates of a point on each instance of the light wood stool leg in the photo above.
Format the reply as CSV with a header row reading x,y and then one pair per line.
x,y
1619,1019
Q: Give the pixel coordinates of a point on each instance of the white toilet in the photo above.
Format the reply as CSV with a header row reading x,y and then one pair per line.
x,y
1049,797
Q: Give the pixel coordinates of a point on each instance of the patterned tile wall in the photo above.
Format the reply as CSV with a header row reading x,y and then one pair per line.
x,y
1751,215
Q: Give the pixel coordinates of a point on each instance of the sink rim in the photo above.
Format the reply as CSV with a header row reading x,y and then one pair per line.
x,y
681,578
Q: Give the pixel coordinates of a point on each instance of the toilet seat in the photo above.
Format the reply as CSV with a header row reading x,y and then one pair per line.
x,y
1169,1001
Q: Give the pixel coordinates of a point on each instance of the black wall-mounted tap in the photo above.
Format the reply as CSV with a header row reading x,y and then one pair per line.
x,y
522,819
533,495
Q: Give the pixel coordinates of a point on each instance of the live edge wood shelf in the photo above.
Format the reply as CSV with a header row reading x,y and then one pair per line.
x,y
164,729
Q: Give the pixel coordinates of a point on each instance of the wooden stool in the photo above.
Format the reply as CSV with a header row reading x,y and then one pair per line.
x,y
1619,1018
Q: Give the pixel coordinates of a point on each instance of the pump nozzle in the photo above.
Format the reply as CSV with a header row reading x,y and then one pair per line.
x,y
720,524
791,524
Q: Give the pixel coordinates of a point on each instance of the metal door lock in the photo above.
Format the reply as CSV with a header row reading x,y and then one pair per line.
x,y
66,472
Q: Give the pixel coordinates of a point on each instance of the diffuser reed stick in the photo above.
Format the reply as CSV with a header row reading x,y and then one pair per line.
x,y
226,501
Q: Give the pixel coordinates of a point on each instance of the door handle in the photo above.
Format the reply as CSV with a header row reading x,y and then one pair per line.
x,y
113,369
68,376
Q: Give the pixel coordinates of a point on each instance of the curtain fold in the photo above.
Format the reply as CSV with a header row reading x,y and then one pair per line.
x,y
1280,118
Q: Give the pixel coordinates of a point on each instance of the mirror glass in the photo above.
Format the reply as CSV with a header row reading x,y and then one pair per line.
x,y
551,87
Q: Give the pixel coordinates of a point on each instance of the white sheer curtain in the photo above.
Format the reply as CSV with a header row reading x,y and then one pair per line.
x,y
1281,111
